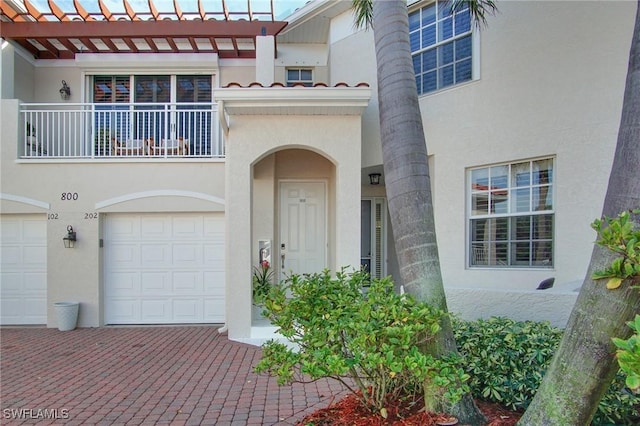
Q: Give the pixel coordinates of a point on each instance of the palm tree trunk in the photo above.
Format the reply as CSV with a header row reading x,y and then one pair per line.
x,y
408,186
584,364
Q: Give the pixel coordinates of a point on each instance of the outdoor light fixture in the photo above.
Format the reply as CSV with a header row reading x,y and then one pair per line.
x,y
65,92
70,239
374,178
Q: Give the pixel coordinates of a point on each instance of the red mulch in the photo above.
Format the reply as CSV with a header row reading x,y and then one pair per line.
x,y
408,412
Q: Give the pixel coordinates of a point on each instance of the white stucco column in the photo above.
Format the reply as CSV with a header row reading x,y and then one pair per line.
x,y
265,59
238,242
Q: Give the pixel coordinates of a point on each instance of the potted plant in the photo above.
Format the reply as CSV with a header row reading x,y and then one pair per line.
x,y
261,282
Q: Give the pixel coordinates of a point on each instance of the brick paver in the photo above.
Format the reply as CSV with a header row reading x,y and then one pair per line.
x,y
187,375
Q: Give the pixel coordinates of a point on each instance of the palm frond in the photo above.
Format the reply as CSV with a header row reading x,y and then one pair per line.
x,y
364,13
479,9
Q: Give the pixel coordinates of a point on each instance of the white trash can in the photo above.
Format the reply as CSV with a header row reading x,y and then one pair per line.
x,y
67,315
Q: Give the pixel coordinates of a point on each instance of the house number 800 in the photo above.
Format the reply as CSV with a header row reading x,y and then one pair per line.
x,y
69,196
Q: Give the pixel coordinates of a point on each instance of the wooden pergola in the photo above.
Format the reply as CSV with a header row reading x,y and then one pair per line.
x,y
60,30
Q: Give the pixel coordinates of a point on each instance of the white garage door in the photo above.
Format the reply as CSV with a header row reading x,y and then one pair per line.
x,y
164,268
23,269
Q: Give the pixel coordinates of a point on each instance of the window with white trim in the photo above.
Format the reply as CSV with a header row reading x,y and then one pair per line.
x,y
299,76
511,216
441,46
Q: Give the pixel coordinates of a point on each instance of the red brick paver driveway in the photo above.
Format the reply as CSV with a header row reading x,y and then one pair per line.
x,y
144,375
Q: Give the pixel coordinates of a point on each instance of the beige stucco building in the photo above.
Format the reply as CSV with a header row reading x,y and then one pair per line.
x,y
178,157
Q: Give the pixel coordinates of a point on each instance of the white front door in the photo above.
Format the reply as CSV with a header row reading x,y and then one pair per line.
x,y
303,227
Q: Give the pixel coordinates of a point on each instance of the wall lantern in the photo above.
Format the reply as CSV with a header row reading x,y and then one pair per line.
x,y
65,92
374,178
70,239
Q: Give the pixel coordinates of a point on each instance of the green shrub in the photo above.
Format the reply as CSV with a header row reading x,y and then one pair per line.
x,y
628,355
369,342
506,360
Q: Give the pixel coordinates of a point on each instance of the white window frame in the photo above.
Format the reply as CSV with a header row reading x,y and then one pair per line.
x,y
417,7
299,80
485,254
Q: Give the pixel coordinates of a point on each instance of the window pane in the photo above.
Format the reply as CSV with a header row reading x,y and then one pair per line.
x,y
542,253
429,36
445,29
446,76
463,71
428,15
429,82
417,61
153,88
463,22
542,198
542,171
479,180
306,75
293,75
500,229
521,253
419,84
446,54
414,21
542,227
480,204
499,177
499,202
520,200
429,60
478,229
520,175
414,39
463,48
444,9
521,228
499,254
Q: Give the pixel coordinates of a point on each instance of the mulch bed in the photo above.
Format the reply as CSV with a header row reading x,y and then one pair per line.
x,y
407,412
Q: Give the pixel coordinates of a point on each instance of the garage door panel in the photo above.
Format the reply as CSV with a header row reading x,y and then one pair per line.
x,y
124,227
214,283
214,309
155,311
155,228
188,227
33,230
35,283
11,256
34,256
187,310
179,259
155,283
123,311
123,283
152,255
187,283
187,254
214,254
23,266
125,254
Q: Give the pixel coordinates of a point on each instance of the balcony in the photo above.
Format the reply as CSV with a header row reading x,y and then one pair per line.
x,y
119,131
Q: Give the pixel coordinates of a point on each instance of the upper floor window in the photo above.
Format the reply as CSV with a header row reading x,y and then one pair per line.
x,y
441,46
296,76
511,214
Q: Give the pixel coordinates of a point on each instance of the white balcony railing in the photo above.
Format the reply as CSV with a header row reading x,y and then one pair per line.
x,y
101,130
